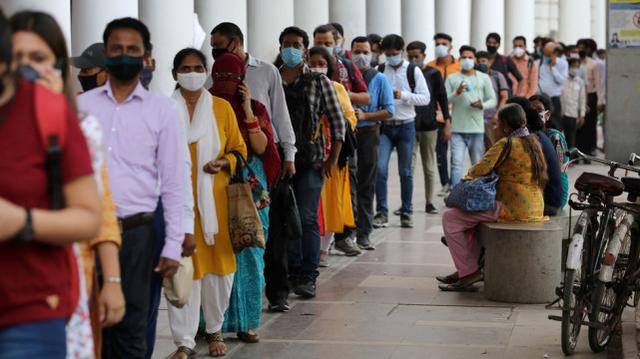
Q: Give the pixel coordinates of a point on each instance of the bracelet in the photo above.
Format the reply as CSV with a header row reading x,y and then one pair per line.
x,y
255,131
251,125
113,280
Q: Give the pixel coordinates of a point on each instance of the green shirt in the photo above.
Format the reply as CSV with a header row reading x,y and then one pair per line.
x,y
464,118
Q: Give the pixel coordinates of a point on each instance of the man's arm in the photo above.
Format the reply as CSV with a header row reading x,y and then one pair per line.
x,y
421,97
513,69
359,98
533,79
385,100
560,72
280,116
440,94
489,94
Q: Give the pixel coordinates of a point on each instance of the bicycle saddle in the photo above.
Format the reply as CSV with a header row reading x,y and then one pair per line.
x,y
632,185
594,183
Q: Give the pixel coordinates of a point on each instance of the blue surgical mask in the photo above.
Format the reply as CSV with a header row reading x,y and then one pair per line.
x,y
291,56
573,72
546,60
339,49
394,60
482,68
467,64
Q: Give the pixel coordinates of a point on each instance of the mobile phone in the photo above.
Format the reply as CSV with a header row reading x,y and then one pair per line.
x,y
28,73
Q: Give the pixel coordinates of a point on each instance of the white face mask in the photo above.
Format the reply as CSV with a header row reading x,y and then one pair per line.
x,y
192,81
363,61
441,51
320,70
518,51
467,64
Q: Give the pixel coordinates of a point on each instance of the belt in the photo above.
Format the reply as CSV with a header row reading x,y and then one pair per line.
x,y
397,122
135,220
367,129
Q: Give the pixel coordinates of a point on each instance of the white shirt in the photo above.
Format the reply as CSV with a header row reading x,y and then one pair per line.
x,y
405,110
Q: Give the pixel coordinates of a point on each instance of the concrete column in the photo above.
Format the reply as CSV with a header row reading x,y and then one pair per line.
x,y
90,17
384,17
418,22
486,16
266,20
454,18
575,20
171,26
308,14
59,9
599,22
212,12
352,15
516,24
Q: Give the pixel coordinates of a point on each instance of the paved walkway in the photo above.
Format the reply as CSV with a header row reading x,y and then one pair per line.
x,y
386,304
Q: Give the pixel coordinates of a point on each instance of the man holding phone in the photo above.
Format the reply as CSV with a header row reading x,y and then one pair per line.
x,y
554,72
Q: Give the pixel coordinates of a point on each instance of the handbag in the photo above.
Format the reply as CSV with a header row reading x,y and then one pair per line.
x,y
245,226
259,193
478,195
177,289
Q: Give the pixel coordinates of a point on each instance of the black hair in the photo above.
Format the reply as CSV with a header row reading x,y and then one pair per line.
x,y
6,44
601,52
513,114
132,24
573,61
482,55
537,39
524,39
338,27
361,39
180,56
467,48
229,30
392,42
417,45
323,29
534,122
495,36
294,30
544,99
442,35
545,40
328,57
375,38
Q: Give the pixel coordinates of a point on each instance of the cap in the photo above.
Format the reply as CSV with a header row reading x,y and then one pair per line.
x,y
92,56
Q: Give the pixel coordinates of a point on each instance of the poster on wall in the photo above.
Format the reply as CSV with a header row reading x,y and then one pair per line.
x,y
624,24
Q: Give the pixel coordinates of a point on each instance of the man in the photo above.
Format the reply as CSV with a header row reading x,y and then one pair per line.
x,y
309,96
376,50
501,90
470,92
527,66
501,63
145,155
370,116
574,103
587,136
92,68
426,123
409,90
341,50
553,74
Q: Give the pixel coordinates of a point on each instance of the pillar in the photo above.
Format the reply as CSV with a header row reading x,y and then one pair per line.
x,y
352,15
454,18
418,22
575,20
384,17
171,25
486,16
59,9
267,19
599,22
212,12
518,25
308,14
90,17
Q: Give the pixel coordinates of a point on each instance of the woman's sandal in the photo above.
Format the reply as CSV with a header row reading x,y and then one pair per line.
x,y
450,279
464,284
190,353
216,338
248,337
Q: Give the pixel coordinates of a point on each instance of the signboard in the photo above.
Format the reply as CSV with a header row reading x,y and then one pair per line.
x,y
624,24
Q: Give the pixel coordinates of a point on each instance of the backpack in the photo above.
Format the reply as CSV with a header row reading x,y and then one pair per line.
x,y
350,69
411,75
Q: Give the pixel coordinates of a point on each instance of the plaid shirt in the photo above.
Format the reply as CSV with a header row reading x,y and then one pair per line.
x,y
323,100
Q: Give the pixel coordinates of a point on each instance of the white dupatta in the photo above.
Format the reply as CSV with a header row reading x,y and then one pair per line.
x,y
203,130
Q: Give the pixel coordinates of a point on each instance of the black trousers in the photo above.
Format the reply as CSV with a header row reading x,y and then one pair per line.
x,y
442,157
587,135
128,338
367,171
569,125
556,115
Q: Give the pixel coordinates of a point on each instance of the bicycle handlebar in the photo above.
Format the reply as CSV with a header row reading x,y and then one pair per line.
x,y
576,154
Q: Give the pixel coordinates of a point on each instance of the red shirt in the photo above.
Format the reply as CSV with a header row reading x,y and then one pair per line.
x,y
35,278
353,82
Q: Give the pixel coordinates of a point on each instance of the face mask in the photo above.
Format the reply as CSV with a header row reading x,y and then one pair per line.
x,y
418,61
219,51
374,60
394,60
518,52
492,49
573,55
363,61
192,81
467,64
330,50
543,116
442,51
339,49
124,67
88,83
146,75
483,68
546,60
320,70
574,72
582,54
291,56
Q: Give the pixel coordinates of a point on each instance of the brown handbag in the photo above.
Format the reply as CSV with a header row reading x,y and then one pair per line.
x,y
245,226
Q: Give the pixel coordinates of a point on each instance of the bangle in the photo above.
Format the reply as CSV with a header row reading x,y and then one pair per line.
x,y
251,125
255,131
113,280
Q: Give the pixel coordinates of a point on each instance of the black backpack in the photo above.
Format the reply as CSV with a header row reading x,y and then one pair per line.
x,y
411,75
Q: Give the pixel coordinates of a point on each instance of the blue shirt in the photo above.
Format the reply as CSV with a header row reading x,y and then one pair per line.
x,y
381,94
551,80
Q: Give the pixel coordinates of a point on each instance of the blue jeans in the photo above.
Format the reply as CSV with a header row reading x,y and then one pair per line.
x,y
442,156
304,253
42,340
401,137
460,142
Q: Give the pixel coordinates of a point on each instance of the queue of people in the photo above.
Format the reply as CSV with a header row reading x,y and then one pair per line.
x,y
122,183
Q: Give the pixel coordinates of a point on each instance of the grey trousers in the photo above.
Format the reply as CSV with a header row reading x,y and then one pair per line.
x,y
426,144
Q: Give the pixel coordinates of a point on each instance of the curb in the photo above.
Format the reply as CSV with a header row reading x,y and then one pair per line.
x,y
630,336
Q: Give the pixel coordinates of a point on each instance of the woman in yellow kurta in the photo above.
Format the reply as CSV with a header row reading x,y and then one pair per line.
x,y
212,133
523,175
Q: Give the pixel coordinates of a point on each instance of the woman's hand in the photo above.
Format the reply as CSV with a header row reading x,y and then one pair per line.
x,y
49,78
216,166
243,88
12,219
111,304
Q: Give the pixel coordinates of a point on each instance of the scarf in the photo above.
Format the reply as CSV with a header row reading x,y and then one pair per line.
x,y
203,130
521,132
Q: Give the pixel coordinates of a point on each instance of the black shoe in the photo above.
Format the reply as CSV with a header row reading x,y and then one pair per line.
x,y
443,239
365,243
293,283
405,221
380,220
431,209
307,290
280,306
397,212
347,247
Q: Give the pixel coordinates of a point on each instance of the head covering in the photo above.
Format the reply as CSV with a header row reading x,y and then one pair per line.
x,y
92,56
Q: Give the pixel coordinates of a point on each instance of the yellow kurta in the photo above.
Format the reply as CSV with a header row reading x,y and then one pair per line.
x,y
217,259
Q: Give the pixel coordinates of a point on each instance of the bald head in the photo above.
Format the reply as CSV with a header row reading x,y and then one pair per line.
x,y
549,49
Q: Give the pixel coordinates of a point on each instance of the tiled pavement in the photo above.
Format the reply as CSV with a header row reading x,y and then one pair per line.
x,y
386,304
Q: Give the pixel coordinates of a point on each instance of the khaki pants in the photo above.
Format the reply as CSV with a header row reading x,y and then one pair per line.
x,y
426,142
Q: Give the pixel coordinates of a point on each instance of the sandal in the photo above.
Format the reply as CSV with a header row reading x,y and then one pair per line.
x,y
190,353
450,279
457,287
216,338
250,338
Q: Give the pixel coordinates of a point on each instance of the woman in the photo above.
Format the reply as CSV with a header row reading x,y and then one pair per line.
x,y
518,199
38,42
245,308
211,129
336,208
37,295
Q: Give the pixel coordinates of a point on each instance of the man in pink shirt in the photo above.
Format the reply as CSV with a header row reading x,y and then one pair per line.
x,y
528,68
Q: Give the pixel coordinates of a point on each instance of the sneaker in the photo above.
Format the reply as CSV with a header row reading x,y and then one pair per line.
x,y
380,221
347,247
431,209
405,221
444,191
365,244
307,290
279,307
324,263
397,212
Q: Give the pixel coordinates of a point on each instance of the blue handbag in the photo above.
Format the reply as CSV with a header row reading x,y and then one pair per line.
x,y
478,195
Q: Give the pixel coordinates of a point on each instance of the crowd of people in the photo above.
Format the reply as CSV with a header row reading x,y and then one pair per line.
x,y
113,186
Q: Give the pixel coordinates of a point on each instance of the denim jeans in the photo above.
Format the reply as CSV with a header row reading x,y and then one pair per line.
x,y
460,142
401,137
304,253
42,340
442,156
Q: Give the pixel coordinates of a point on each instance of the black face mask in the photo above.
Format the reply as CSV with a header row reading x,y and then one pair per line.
x,y
582,54
219,51
492,49
88,83
124,67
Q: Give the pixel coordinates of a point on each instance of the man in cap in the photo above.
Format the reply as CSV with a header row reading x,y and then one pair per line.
x,y
92,68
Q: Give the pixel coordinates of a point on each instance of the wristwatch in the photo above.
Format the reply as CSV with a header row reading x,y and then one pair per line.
x,y
26,233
